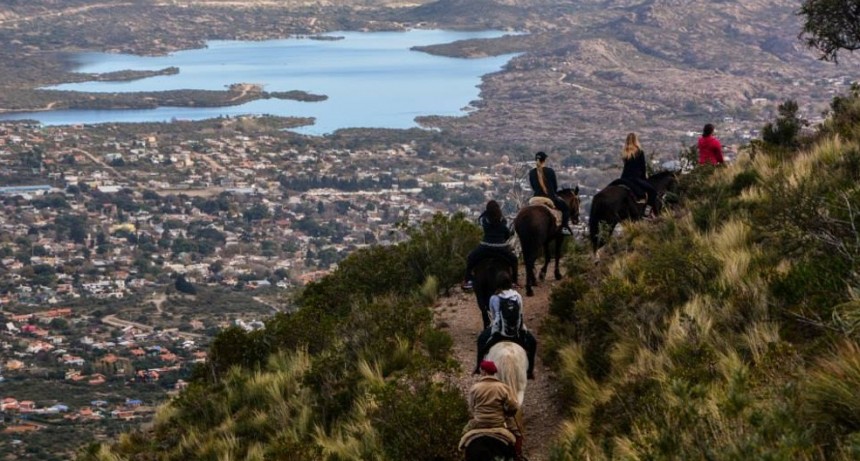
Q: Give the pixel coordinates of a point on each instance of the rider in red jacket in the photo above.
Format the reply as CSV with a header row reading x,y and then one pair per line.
x,y
710,149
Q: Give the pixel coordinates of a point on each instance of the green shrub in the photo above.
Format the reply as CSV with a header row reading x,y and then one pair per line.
x,y
438,344
420,421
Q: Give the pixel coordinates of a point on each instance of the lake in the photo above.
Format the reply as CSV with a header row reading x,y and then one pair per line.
x,y
372,79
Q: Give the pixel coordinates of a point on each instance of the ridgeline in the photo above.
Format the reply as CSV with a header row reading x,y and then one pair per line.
x,y
727,329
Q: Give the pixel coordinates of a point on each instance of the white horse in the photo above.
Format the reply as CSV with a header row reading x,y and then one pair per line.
x,y
512,363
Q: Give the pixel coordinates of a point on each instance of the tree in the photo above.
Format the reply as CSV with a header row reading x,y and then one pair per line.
x,y
831,26
784,131
184,286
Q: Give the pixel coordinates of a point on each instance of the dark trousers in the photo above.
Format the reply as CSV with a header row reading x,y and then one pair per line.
x,y
565,210
484,251
486,340
640,188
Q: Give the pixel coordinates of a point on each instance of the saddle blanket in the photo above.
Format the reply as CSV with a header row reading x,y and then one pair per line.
x,y
498,433
544,201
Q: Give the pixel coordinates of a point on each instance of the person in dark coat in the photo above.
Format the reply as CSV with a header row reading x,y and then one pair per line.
x,y
543,183
494,243
635,170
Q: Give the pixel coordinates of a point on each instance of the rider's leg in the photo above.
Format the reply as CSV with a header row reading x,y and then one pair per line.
x,y
483,339
565,212
529,343
471,261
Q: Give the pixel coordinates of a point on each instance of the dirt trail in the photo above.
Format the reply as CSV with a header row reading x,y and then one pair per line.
x,y
459,316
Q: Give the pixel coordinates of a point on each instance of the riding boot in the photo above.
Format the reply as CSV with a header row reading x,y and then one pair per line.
x,y
483,339
529,343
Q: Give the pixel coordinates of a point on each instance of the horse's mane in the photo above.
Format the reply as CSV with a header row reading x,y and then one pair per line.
x,y
511,361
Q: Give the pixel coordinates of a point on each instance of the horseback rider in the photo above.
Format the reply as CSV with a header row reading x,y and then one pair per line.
x,y
634,172
543,183
493,406
506,310
495,242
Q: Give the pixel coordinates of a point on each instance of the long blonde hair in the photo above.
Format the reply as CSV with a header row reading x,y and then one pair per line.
x,y
540,177
631,146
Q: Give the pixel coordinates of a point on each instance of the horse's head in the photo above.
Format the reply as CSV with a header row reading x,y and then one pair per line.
x,y
571,196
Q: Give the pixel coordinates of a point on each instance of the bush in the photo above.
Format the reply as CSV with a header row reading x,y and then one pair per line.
x,y
831,398
420,421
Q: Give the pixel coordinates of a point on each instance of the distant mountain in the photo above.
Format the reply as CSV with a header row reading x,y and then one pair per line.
x,y
466,12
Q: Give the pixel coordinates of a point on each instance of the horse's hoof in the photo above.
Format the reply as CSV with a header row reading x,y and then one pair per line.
x,y
558,275
530,292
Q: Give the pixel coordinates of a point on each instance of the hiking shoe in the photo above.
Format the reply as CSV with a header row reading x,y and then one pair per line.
x,y
467,285
566,231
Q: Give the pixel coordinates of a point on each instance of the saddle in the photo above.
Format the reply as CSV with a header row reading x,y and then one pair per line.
x,y
499,433
550,206
639,195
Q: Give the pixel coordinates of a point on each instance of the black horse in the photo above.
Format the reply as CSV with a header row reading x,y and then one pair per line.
x,y
485,283
617,203
489,449
536,228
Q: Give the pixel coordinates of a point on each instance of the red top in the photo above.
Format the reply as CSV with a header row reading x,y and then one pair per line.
x,y
710,150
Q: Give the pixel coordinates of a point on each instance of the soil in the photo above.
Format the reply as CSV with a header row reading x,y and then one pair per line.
x,y
458,315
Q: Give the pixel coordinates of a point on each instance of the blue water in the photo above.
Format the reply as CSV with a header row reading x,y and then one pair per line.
x,y
372,79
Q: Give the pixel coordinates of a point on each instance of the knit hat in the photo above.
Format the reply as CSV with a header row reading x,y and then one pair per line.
x,y
540,156
489,367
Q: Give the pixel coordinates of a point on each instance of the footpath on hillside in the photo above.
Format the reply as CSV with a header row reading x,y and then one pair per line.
x,y
458,315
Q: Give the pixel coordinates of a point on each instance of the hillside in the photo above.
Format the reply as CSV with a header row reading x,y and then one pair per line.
x,y
727,329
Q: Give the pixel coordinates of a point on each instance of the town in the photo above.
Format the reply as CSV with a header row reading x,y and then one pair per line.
x,y
124,249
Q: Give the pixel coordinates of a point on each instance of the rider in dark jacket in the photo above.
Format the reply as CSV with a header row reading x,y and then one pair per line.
x,y
635,170
495,242
543,183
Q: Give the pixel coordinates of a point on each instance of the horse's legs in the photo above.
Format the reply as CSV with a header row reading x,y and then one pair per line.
x,y
529,259
558,242
546,258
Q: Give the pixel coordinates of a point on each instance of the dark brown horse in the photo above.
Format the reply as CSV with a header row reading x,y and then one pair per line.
x,y
616,203
489,449
536,228
486,279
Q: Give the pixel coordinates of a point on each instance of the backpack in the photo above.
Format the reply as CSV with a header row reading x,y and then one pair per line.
x,y
510,317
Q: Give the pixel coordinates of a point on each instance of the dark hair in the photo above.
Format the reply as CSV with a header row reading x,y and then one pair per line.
x,y
493,212
708,130
504,281
540,156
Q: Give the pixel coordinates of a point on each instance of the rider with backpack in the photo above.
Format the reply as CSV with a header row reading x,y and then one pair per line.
x,y
506,310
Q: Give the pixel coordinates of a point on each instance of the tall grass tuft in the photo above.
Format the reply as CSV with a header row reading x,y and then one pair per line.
x,y
831,390
587,392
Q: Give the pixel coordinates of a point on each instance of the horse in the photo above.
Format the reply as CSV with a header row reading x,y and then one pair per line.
x,y
485,283
616,203
488,448
511,364
536,228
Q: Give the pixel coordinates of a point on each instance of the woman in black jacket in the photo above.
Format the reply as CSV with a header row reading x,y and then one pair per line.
x,y
635,169
495,242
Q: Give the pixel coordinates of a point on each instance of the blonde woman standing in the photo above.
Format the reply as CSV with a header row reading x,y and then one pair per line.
x,y
635,170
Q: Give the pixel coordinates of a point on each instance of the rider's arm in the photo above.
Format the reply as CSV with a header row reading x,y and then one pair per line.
x,y
495,314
